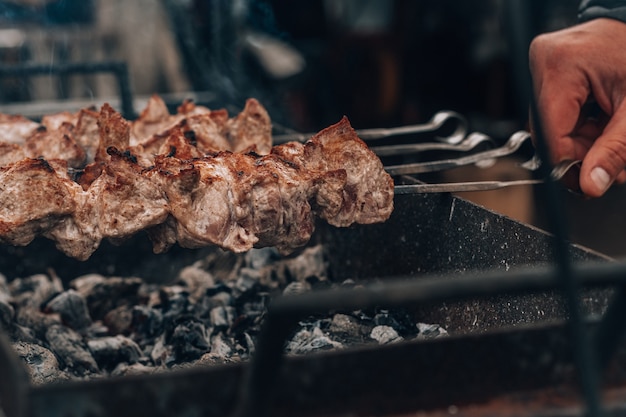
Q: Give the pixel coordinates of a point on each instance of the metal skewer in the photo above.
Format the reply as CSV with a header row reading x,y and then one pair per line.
x,y
511,146
467,144
435,124
557,173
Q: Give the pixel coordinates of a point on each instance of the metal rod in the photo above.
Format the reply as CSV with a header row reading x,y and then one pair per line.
x,y
518,16
119,70
611,329
454,187
467,144
435,124
459,187
511,146
14,381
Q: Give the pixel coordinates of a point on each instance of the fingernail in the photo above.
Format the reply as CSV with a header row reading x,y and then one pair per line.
x,y
600,179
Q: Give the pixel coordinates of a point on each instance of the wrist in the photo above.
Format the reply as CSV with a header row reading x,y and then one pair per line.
x,y
594,9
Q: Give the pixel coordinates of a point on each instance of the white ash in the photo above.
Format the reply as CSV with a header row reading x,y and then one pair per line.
x,y
430,331
307,341
42,365
385,335
344,323
99,326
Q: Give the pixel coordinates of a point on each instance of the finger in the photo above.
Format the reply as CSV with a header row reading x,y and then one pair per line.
x,y
606,158
561,90
559,108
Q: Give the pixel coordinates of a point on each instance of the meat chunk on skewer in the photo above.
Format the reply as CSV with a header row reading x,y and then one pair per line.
x,y
367,195
33,198
186,185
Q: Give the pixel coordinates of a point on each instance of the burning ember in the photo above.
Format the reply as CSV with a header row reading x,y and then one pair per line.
x,y
101,326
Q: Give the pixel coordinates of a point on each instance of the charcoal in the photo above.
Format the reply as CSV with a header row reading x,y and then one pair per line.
x,y
174,300
222,298
24,334
248,280
7,312
398,319
162,353
119,320
262,257
220,347
204,308
95,330
124,369
42,366
430,331
72,307
196,280
310,263
104,294
248,343
346,326
35,290
149,294
211,313
111,351
189,339
307,341
4,287
217,289
211,358
385,335
224,265
251,309
296,287
252,304
222,317
37,321
207,303
147,321
85,284
71,350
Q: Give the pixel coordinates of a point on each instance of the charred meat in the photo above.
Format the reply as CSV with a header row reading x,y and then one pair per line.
x,y
195,178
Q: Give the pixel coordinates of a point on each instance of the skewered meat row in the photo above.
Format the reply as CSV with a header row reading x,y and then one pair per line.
x,y
195,178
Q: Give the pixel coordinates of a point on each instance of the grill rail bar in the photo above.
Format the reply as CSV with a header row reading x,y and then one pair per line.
x,y
517,13
14,381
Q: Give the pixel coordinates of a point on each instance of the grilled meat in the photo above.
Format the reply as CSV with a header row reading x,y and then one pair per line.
x,y
196,178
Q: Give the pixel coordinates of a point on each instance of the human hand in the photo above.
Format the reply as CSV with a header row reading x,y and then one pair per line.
x,y
579,80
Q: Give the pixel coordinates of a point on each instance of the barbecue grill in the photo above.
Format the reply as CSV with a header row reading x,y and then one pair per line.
x,y
487,279
494,290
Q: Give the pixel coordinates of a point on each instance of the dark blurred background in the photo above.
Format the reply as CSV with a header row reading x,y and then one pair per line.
x,y
382,63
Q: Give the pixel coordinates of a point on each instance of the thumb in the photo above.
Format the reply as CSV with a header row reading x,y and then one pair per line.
x,y
606,158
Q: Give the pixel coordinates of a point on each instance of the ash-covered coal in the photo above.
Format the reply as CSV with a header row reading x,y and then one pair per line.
x,y
99,326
